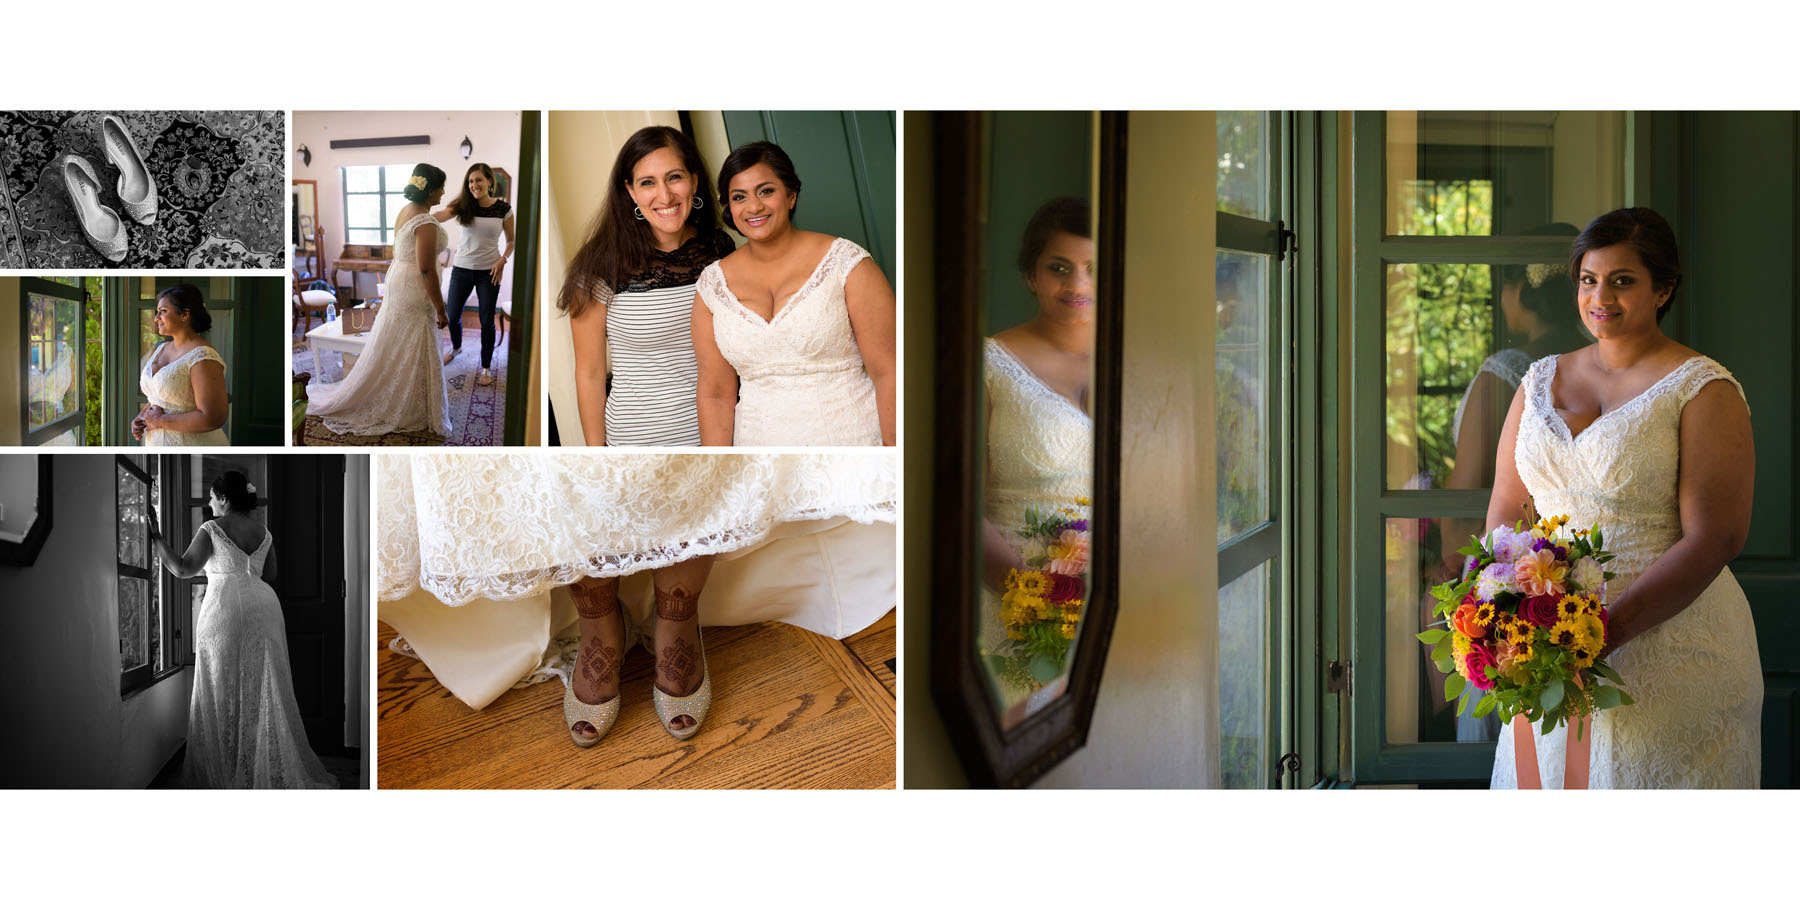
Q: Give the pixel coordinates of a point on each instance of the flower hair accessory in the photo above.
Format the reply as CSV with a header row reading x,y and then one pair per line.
x,y
248,486
1538,273
417,181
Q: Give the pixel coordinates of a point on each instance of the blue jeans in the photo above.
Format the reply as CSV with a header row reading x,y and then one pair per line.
x,y
488,293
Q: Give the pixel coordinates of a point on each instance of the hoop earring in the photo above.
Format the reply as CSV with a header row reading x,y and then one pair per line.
x,y
699,202
638,212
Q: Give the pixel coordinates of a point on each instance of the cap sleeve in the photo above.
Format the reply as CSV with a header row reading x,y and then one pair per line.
x,y
1703,373
596,289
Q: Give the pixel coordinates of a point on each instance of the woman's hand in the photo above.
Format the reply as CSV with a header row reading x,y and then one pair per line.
x,y
155,531
443,319
497,269
152,419
137,424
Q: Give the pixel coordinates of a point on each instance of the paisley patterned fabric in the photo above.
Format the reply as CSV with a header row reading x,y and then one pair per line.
x,y
1697,678
220,177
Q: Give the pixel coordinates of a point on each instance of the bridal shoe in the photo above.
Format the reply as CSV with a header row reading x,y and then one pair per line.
x,y
103,227
600,715
136,189
694,705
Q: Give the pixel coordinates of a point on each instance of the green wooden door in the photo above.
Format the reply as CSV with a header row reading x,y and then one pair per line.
x,y
845,161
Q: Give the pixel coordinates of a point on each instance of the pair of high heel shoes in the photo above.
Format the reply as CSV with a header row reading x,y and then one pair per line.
x,y
668,708
137,192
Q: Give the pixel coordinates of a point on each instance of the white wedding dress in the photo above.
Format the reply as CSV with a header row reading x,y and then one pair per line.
x,y
1040,456
801,380
475,551
1697,678
244,727
398,384
171,388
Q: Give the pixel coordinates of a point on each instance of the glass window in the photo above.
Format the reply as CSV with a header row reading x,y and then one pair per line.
x,y
1243,150
1242,673
143,631
371,200
1241,363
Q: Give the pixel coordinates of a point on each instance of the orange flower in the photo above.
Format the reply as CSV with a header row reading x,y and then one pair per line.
x,y
1463,620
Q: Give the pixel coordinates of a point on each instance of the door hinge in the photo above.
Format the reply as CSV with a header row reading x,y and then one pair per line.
x,y
1286,242
1338,678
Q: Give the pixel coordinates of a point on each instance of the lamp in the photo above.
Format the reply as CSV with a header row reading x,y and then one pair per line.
x,y
305,155
467,148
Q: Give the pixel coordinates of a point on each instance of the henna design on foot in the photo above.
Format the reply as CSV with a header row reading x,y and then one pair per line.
x,y
678,664
676,604
595,597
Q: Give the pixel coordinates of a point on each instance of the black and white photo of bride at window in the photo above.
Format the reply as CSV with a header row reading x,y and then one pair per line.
x,y
184,621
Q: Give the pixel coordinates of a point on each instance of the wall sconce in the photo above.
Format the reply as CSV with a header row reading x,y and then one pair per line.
x,y
305,155
467,148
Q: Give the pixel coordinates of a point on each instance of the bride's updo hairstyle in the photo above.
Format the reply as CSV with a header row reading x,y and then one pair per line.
x,y
1546,288
1066,214
434,179
749,155
1642,229
619,244
187,299
235,488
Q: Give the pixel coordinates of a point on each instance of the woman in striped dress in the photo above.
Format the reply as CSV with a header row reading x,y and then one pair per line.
x,y
630,291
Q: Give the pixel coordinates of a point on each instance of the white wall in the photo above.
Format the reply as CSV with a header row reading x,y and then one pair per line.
x,y
65,724
494,135
18,494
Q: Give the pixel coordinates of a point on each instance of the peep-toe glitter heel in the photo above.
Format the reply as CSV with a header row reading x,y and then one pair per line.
x,y
695,704
600,715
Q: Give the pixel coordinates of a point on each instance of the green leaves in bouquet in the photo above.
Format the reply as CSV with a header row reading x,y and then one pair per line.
x,y
1607,697
1433,636
1551,698
1605,671
1486,706
1044,668
1452,687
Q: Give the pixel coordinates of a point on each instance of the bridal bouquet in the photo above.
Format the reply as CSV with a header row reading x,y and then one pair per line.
x,y
1525,625
1042,603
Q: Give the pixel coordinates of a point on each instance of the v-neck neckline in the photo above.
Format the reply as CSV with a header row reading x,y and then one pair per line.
x,y
775,314
156,370
1569,433
233,541
1035,379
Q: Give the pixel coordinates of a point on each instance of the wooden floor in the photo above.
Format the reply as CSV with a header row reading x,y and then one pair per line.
x,y
791,709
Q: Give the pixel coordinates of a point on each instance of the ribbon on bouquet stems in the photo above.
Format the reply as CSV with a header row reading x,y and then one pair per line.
x,y
1576,756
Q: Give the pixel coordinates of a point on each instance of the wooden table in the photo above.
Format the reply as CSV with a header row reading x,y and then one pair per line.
x,y
331,336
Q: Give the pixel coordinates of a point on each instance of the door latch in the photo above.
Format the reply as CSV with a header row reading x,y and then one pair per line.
x,y
1337,677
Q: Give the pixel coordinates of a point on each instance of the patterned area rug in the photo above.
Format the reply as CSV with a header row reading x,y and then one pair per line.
x,y
220,180
477,412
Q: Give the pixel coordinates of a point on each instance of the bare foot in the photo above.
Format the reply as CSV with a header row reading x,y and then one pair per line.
x,y
596,675
485,378
680,666
451,354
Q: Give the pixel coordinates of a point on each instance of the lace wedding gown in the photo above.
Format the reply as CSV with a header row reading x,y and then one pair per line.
x,y
801,380
244,726
1697,678
172,389
475,551
1040,456
398,385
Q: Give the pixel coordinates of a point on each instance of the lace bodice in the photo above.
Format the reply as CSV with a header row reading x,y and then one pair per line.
x,y
229,559
406,247
1040,447
1621,471
1696,677
172,386
801,375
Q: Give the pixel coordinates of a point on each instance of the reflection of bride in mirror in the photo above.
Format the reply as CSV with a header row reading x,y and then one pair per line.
x,y
1540,318
1039,463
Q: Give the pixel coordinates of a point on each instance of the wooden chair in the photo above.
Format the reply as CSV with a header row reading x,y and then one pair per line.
x,y
309,302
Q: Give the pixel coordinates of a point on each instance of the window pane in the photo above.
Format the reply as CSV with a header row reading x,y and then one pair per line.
x,y
133,549
397,175
1243,185
365,236
1500,173
1242,639
363,210
1421,553
362,178
53,383
1241,386
134,623
70,438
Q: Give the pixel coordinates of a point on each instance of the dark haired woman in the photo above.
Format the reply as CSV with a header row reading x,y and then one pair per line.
x,y
244,728
629,290
183,379
1039,430
1650,442
479,262
398,385
795,329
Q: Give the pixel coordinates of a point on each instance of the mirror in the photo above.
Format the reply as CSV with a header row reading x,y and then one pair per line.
x,y
305,212
1030,346
25,506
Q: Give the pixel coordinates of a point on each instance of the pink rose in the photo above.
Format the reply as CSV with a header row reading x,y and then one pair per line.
x,y
1539,610
1477,661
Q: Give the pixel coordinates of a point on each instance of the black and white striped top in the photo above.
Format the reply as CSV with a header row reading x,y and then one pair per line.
x,y
655,377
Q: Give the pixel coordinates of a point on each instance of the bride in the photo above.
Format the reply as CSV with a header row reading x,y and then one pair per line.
x,y
398,385
183,379
1040,435
244,727
1650,441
